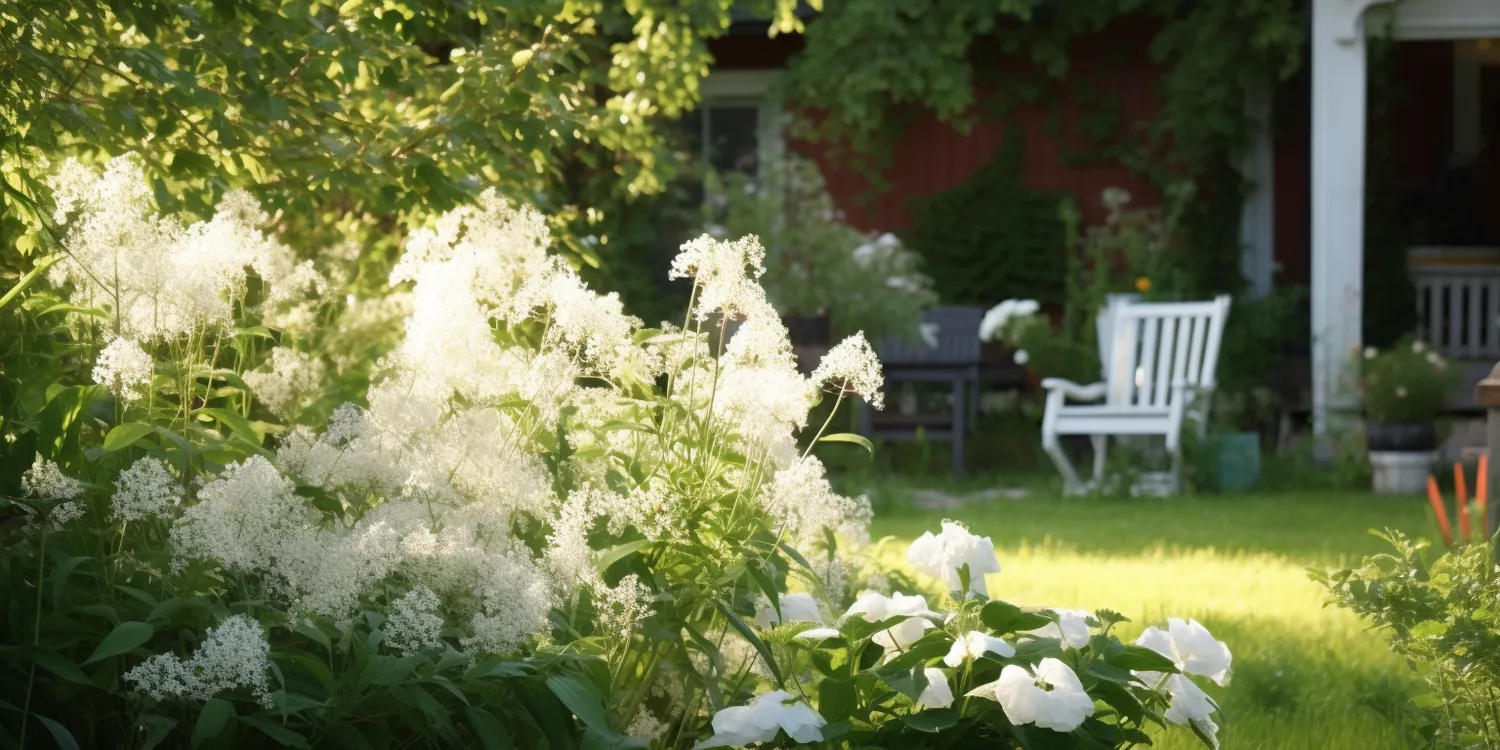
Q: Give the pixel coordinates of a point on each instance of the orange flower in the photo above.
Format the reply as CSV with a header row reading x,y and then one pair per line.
x,y
1143,285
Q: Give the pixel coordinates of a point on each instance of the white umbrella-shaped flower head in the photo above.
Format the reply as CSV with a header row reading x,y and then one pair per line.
x,y
1051,698
875,607
739,726
941,556
797,607
938,694
1191,647
975,644
1072,628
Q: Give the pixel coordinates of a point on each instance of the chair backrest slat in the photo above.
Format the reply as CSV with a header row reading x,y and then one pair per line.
x,y
1156,345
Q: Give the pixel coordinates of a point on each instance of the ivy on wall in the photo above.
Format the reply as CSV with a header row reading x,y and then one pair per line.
x,y
993,238
920,56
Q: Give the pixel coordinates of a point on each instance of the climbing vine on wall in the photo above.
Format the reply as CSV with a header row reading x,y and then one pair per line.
x,y
920,56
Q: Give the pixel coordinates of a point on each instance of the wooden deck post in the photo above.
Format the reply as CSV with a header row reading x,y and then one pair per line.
x,y
1487,395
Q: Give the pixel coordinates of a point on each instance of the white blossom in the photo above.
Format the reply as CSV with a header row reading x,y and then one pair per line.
x,y
975,644
414,624
46,481
875,607
145,489
1052,697
123,367
287,377
942,556
851,367
938,693
768,714
998,318
1191,647
795,607
232,656
1072,628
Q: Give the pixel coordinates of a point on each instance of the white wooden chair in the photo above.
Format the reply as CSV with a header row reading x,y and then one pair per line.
x,y
1159,365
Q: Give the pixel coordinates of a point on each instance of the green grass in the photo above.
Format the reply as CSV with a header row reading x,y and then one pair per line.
x,y
1305,676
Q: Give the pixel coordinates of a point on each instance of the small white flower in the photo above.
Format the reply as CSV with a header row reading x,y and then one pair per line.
x,y
1417,347
942,556
1435,359
852,367
1401,391
1072,628
937,694
233,655
1191,647
123,367
975,644
769,713
798,607
414,624
1370,352
875,607
46,481
1052,699
929,333
1021,357
817,634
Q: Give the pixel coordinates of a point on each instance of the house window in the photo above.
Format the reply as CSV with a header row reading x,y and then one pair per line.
x,y
736,128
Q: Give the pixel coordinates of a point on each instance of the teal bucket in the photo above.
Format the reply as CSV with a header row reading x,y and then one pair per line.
x,y
1236,460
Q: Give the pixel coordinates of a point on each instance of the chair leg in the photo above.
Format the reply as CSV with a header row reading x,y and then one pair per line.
x,y
1101,454
960,425
1071,483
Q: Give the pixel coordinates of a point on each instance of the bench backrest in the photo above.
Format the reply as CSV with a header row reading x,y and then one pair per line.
x,y
1156,345
957,340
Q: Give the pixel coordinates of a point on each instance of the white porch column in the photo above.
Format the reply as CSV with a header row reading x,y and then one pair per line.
x,y
1338,200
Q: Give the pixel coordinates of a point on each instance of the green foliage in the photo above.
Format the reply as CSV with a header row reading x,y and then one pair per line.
x,y
817,265
1405,384
993,238
1441,617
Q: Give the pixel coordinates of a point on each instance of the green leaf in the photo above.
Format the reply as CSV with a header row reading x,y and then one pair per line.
x,y
60,579
60,733
388,670
491,732
125,435
275,731
609,557
238,424
215,715
1004,617
580,699
122,639
1139,659
57,664
932,720
837,699
849,437
744,629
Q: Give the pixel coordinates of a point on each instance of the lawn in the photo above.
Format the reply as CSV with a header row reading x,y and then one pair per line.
x,y
1305,676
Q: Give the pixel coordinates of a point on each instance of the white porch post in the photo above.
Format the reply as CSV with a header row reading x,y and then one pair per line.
x,y
1338,199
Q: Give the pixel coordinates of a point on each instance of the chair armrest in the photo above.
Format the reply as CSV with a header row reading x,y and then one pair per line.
x,y
1091,392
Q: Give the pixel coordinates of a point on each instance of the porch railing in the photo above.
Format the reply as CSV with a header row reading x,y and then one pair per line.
x,y
1459,309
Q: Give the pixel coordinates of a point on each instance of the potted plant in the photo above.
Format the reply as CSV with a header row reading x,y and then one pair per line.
x,y
1232,450
1402,389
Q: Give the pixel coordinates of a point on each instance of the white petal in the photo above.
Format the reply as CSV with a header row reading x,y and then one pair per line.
x,y
1189,702
938,693
801,723
1197,651
817,634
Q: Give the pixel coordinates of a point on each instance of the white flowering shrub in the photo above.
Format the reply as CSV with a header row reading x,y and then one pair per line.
x,y
544,524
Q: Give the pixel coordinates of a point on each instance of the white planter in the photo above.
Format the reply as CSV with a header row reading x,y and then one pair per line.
x,y
1400,472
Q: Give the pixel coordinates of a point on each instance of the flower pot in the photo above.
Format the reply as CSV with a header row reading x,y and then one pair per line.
x,y
1400,472
1401,437
1236,460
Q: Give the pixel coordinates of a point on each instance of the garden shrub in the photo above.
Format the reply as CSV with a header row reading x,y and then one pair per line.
x,y
548,526
1441,615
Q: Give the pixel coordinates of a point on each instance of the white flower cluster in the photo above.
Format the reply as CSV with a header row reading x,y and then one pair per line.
x,y
123,367
157,278
146,489
287,377
46,481
1194,651
414,624
232,656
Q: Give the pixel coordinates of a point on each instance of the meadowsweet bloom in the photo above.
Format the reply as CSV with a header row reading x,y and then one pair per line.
x,y
232,656
63,514
997,318
244,519
875,607
760,721
797,607
975,644
1191,647
851,367
645,726
1072,628
1051,698
938,693
624,605
800,501
414,624
287,377
725,272
123,367
145,489
942,556
46,481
